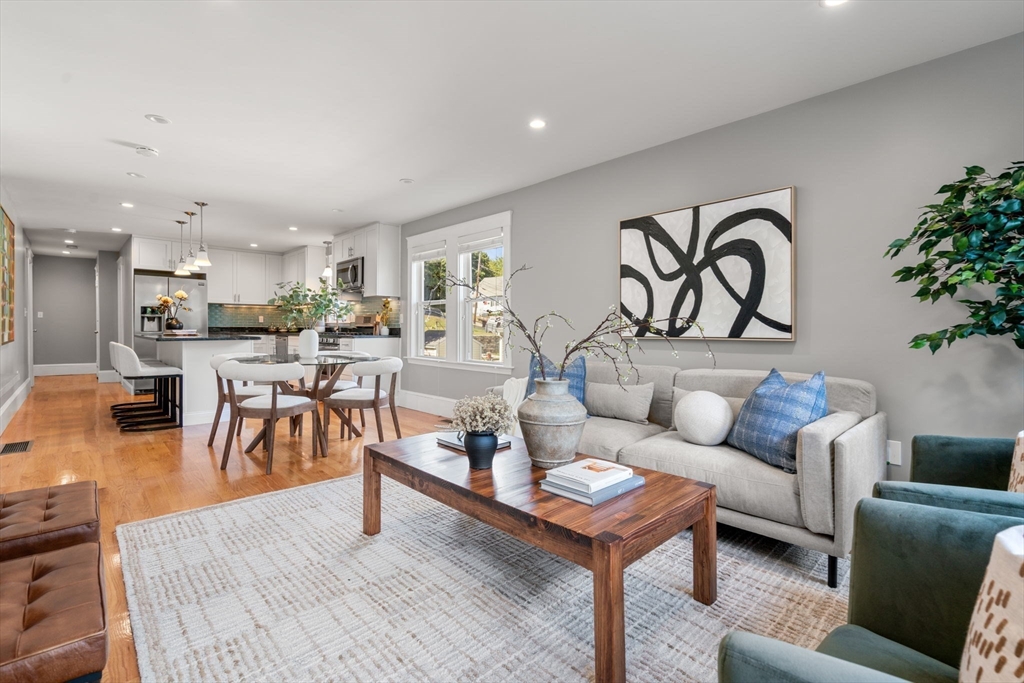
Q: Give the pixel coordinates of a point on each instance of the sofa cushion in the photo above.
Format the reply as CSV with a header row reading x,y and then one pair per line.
x,y
662,376
627,402
604,437
52,617
40,520
745,484
703,418
861,646
774,413
853,395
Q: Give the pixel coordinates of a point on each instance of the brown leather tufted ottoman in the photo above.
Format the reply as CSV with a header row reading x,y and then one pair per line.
x,y
52,615
40,520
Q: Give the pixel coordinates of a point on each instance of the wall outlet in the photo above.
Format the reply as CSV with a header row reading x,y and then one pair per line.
x,y
894,449
39,314
261,318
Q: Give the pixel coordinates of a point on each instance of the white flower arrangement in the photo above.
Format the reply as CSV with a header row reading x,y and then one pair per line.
x,y
482,414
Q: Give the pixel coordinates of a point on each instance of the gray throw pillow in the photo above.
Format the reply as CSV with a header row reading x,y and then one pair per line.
x,y
631,402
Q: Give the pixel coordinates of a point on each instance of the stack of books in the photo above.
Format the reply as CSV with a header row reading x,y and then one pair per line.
x,y
591,481
452,440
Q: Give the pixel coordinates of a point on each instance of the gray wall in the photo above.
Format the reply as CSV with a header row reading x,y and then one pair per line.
x,y
106,263
14,356
863,160
65,292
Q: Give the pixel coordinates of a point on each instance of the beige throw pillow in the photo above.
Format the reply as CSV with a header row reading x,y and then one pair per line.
x,y
1017,468
630,402
994,651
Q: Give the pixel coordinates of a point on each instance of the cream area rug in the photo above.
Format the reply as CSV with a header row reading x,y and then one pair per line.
x,y
285,587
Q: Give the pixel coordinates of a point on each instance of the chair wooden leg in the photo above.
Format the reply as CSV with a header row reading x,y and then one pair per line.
x,y
240,421
380,425
394,417
216,420
362,419
351,424
327,418
321,432
227,442
260,435
268,443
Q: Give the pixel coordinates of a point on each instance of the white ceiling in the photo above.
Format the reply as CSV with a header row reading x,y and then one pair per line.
x,y
50,242
283,111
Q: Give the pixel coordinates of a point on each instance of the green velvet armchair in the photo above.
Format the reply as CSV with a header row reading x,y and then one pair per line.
x,y
908,619
959,473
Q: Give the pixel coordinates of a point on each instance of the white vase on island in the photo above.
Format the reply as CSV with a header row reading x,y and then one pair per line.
x,y
309,343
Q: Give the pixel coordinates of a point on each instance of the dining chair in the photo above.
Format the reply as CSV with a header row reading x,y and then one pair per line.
x,y
270,407
168,389
365,398
243,392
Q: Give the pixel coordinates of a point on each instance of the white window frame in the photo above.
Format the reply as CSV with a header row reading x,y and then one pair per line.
x,y
457,240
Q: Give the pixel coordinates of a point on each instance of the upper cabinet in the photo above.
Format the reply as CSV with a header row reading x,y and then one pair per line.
x,y
240,277
153,254
304,265
380,247
274,275
220,277
251,277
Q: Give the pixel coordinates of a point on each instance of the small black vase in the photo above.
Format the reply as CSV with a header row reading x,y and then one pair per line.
x,y
480,447
173,324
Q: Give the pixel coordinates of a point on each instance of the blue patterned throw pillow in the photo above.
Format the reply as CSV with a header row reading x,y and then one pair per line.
x,y
772,415
575,372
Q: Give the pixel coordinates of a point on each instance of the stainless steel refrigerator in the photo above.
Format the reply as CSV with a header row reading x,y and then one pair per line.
x,y
147,287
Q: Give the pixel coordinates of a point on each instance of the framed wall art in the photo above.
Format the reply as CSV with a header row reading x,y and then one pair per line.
x,y
6,278
729,265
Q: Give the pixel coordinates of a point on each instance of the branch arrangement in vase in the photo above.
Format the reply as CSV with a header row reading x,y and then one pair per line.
x,y
170,306
614,338
305,307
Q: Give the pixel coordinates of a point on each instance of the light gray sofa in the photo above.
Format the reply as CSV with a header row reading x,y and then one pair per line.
x,y
839,457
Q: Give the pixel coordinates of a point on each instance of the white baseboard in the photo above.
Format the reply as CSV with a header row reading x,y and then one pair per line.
x,y
11,405
426,403
64,369
108,376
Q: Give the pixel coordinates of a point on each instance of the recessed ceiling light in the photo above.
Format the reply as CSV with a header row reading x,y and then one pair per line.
x,y
147,152
69,241
135,175
832,3
156,118
127,205
537,124
254,245
116,229
65,252
407,181
338,210
292,228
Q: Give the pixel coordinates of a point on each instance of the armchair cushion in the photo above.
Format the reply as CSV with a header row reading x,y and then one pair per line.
x,y
814,469
961,461
861,646
954,497
745,657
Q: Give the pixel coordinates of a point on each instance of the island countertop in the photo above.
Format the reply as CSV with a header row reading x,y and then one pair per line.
x,y
195,338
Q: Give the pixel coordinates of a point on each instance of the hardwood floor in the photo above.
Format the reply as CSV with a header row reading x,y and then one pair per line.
x,y
147,475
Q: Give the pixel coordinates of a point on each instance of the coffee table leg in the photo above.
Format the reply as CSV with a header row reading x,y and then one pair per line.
x,y
609,613
705,554
371,495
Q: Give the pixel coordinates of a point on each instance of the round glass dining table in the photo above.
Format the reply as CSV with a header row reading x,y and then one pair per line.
x,y
329,366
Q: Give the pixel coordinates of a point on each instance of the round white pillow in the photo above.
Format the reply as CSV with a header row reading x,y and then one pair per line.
x,y
703,418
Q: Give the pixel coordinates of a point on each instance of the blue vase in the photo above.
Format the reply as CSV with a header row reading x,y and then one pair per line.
x,y
480,447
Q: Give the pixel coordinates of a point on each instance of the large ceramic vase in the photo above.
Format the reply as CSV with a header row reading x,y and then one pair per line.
x,y
309,344
552,421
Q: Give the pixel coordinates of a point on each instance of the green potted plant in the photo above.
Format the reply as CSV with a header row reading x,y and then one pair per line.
x,y
972,240
305,308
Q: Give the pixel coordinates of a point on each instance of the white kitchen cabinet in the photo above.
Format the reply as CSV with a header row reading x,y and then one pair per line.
x,y
274,275
250,278
154,254
293,267
353,245
220,277
380,246
306,265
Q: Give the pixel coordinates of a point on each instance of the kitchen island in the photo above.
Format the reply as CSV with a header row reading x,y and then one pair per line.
x,y
192,354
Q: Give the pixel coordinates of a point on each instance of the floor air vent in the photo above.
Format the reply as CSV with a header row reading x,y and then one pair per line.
x,y
16,447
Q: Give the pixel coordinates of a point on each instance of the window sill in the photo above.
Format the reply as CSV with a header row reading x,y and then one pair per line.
x,y
460,365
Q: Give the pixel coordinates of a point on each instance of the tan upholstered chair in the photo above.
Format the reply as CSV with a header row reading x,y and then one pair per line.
x,y
365,398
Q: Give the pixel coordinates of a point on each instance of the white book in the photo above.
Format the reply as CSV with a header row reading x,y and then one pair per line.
x,y
589,475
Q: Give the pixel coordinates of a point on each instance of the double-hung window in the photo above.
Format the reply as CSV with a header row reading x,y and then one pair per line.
x,y
460,326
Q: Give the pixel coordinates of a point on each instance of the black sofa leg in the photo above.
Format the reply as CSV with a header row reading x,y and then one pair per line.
x,y
833,571
94,677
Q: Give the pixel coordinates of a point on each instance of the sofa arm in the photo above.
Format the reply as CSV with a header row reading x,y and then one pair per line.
x,y
953,497
961,461
814,471
917,571
748,658
860,462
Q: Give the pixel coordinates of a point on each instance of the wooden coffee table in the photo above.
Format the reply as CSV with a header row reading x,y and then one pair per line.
x,y
604,539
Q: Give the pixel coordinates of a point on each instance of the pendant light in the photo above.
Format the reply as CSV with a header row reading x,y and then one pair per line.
x,y
182,270
328,271
202,258
190,261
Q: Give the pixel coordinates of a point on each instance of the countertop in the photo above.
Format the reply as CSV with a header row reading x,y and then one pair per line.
x,y
198,338
234,333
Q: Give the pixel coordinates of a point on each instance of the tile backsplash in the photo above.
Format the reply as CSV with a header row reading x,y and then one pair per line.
x,y
232,315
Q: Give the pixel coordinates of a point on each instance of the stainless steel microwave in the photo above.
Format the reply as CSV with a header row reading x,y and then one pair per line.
x,y
350,275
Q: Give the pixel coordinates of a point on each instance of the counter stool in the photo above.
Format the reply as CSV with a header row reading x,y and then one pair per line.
x,y
243,392
134,407
363,398
167,390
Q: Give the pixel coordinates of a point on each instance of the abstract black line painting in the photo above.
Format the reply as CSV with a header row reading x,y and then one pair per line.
x,y
728,265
